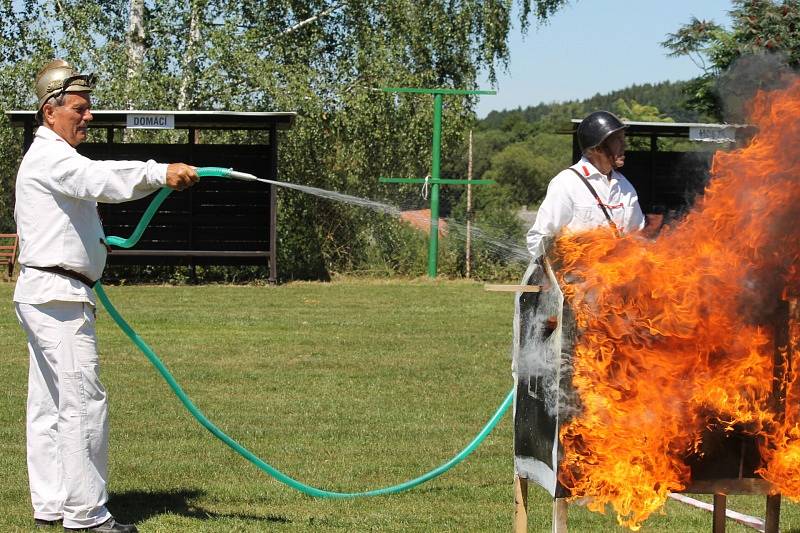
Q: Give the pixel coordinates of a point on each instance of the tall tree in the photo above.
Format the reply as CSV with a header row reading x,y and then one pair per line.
x,y
189,67
760,48
135,42
325,59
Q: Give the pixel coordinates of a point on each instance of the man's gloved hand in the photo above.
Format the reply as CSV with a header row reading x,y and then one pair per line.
x,y
181,176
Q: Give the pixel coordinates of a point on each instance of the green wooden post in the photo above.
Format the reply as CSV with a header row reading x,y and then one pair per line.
x,y
433,240
435,180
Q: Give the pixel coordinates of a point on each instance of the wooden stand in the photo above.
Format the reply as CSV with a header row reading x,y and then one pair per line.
x,y
771,523
8,252
720,506
520,504
772,520
512,288
747,482
521,509
720,488
560,515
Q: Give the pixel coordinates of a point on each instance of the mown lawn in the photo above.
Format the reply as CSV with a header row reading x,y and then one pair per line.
x,y
347,386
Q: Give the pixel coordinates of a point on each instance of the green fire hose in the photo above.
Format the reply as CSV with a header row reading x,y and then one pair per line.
x,y
221,435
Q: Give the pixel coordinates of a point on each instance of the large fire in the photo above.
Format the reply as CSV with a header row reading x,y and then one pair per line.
x,y
677,335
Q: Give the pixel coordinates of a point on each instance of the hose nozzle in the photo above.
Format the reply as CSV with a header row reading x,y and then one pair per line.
x,y
221,172
244,176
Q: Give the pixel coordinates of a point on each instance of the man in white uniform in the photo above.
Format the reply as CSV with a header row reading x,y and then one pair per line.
x,y
63,253
592,192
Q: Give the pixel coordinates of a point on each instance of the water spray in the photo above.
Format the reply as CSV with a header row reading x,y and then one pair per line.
x,y
510,250
210,426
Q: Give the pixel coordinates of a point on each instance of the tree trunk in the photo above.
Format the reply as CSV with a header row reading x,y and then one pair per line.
x,y
186,95
135,43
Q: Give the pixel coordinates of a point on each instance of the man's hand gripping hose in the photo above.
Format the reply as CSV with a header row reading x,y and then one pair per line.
x,y
205,422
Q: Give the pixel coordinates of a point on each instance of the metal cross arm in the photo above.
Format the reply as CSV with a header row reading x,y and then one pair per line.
x,y
440,181
432,91
435,180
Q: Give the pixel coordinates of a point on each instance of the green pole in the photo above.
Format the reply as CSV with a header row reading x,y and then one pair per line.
x,y
433,246
434,179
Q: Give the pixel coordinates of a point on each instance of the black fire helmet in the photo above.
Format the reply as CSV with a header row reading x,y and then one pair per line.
x,y
596,128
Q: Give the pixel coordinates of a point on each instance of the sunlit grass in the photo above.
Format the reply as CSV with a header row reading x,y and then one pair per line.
x,y
347,386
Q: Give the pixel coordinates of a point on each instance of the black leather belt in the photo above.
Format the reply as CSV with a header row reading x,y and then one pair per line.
x,y
66,272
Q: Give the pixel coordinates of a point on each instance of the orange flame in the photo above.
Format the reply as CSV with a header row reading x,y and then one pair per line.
x,y
677,335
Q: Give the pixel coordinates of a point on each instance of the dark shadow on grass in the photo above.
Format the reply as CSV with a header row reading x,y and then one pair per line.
x,y
138,506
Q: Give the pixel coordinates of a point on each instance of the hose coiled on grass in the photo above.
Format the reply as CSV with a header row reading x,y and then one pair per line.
x,y
221,435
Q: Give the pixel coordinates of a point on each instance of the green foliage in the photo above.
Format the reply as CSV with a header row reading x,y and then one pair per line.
x,y
399,249
257,56
523,149
636,112
668,97
525,168
497,246
763,44
10,155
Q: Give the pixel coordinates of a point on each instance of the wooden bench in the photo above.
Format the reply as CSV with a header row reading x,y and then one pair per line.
x,y
8,252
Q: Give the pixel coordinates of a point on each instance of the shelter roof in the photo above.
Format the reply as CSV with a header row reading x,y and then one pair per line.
x,y
673,129
183,119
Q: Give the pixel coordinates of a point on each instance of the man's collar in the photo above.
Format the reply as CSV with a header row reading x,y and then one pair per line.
x,y
588,170
46,133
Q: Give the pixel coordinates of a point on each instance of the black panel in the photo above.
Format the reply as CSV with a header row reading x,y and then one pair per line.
x,y
667,181
537,407
217,214
725,455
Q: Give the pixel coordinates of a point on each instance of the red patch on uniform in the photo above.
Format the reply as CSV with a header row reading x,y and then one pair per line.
x,y
585,171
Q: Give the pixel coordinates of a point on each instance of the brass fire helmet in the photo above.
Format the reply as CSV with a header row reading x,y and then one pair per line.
x,y
59,77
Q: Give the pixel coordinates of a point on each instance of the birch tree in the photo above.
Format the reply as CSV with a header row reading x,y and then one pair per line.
x,y
761,46
135,43
325,59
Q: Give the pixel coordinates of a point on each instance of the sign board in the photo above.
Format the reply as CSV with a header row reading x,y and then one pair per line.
x,y
152,121
709,134
542,370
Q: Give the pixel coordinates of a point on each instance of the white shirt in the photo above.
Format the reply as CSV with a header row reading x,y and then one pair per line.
x,y
57,192
569,204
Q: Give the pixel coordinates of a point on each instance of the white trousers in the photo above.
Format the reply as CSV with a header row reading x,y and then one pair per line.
x,y
67,414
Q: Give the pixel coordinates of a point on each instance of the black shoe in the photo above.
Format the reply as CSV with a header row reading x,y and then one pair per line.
x,y
39,523
109,526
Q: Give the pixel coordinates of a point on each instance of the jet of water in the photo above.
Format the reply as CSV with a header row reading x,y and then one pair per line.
x,y
508,250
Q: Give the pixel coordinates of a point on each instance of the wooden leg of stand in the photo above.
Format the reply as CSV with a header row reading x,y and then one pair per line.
x,y
773,517
520,505
560,515
720,506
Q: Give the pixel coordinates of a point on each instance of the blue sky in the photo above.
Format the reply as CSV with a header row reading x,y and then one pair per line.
x,y
596,46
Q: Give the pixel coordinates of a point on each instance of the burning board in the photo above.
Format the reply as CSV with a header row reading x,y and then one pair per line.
x,y
649,367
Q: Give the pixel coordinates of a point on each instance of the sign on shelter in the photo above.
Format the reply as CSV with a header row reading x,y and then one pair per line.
x,y
156,121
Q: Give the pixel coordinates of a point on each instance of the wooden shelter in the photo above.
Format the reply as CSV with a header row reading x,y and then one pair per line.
x,y
216,222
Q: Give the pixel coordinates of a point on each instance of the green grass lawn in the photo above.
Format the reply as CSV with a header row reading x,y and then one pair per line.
x,y
347,386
